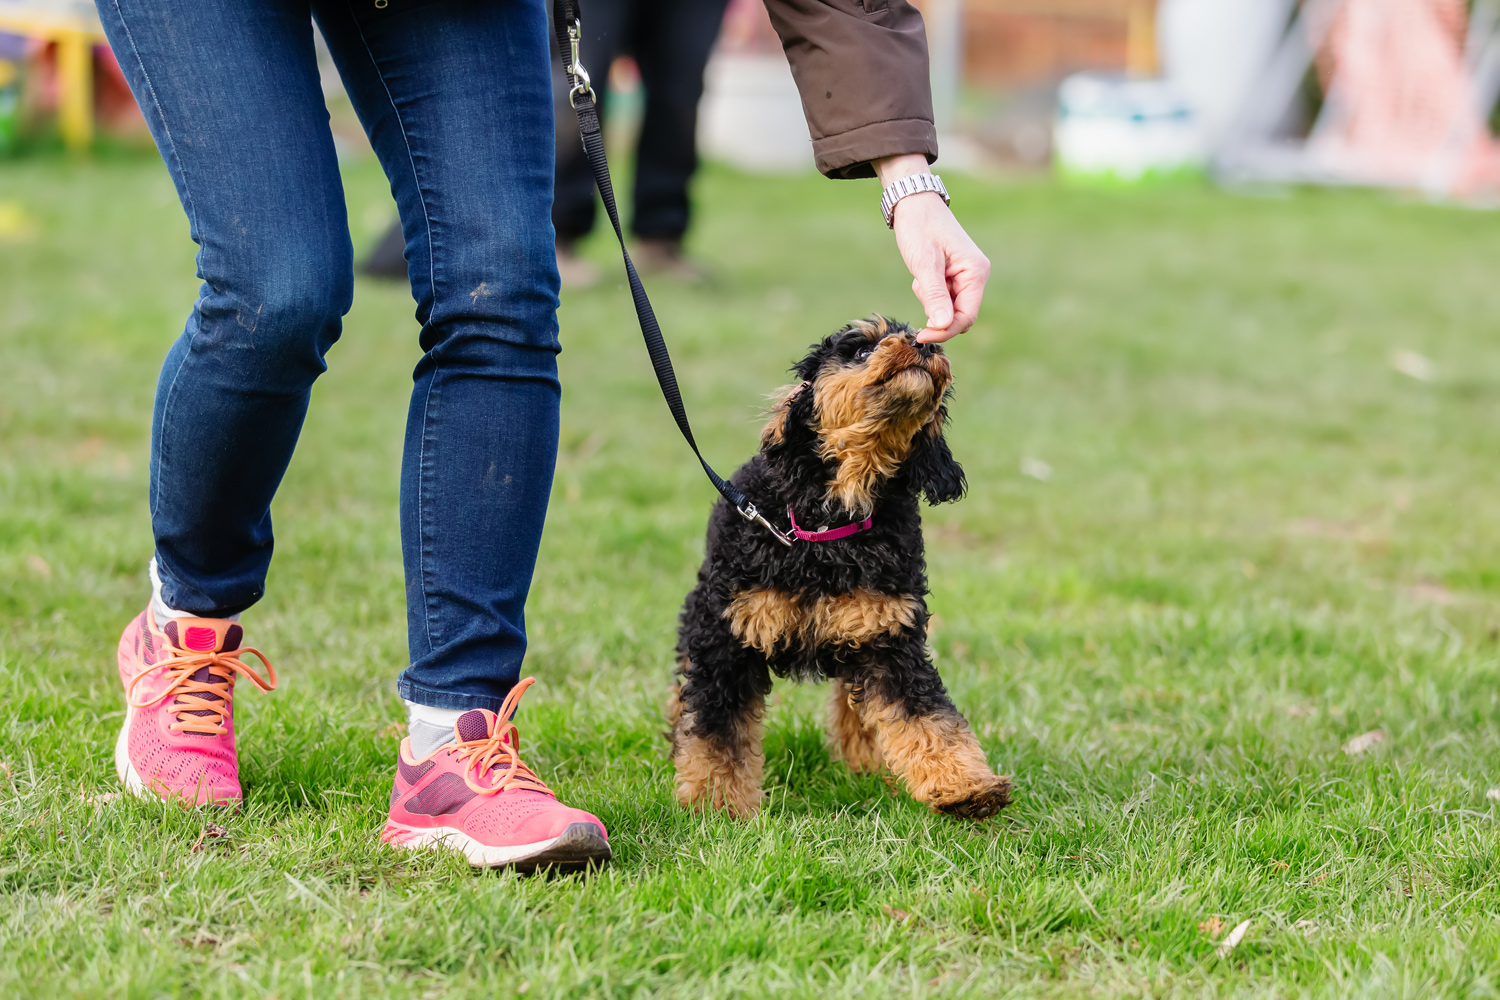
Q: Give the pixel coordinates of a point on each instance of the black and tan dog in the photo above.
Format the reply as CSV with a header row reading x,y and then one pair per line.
x,y
846,452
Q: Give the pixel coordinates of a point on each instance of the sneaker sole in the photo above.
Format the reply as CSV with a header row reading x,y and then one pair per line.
x,y
123,768
580,846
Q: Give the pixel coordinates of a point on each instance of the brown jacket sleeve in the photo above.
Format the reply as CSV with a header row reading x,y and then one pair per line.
x,y
861,66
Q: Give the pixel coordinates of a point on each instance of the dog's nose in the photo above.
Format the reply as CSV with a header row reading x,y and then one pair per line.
x,y
927,350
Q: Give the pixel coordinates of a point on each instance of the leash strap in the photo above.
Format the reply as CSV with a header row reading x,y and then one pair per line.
x,y
568,26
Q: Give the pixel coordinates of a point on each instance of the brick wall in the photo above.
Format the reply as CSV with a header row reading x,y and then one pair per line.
x,y
1037,41
1006,42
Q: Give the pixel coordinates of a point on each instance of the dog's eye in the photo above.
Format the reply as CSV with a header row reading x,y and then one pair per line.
x,y
864,352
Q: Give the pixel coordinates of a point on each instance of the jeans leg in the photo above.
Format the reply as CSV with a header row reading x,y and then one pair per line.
x,y
230,91
674,41
456,96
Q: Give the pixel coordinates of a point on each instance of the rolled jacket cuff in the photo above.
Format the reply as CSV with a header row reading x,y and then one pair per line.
x,y
848,154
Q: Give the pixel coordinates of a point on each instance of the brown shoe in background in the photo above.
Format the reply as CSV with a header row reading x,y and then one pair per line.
x,y
664,256
575,271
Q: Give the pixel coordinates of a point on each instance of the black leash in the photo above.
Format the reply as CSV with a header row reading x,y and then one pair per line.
x,y
569,28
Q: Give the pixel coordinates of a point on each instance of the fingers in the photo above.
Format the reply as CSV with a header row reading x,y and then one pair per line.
x,y
948,270
968,292
966,285
930,284
931,336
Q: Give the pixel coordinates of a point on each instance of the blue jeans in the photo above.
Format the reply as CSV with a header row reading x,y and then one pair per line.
x,y
456,98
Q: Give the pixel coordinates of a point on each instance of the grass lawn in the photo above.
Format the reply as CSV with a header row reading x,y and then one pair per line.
x,y
1257,540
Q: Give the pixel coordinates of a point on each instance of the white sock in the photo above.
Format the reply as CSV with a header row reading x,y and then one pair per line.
x,y
429,727
159,609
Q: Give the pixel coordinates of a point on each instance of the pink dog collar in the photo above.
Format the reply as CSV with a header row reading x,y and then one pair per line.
x,y
832,534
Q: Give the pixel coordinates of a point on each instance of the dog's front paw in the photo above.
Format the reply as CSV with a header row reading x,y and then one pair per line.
x,y
698,793
708,776
980,802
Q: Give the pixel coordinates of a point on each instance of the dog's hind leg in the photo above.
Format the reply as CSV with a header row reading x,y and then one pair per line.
x,y
921,735
848,738
716,710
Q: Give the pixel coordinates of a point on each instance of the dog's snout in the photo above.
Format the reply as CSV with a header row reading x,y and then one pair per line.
x,y
926,350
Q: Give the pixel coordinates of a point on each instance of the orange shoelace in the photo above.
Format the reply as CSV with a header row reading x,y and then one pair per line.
x,y
191,694
500,749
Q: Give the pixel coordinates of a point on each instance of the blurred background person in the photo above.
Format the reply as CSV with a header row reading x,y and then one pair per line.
x,y
670,41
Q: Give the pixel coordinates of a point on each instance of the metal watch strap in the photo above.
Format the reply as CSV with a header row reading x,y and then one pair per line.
x,y
910,184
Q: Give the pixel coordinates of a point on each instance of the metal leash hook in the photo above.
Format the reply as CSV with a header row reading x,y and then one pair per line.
x,y
750,513
581,82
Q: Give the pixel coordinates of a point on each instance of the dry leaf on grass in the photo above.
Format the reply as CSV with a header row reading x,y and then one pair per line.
x,y
1036,469
1413,364
1234,937
1493,794
900,916
1364,741
1213,927
211,830
1280,866
1435,593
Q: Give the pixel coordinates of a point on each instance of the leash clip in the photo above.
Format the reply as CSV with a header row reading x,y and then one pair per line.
x,y
582,84
749,513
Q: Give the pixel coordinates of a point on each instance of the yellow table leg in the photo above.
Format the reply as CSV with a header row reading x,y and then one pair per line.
x,y
1140,39
75,71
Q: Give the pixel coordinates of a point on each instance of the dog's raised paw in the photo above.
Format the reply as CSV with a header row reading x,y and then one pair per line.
x,y
983,803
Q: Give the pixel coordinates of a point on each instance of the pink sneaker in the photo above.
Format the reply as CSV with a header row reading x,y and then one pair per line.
x,y
476,796
178,739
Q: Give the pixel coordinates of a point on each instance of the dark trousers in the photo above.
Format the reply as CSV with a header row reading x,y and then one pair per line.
x,y
670,39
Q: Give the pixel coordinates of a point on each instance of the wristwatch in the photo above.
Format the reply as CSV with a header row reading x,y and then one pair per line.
x,y
910,184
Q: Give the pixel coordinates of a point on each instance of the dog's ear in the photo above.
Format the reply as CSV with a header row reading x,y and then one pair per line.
x,y
793,406
931,468
812,362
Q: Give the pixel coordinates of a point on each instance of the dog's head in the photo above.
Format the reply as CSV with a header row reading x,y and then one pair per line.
x,y
870,409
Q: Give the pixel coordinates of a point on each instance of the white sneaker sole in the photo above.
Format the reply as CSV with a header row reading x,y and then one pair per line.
x,y
579,846
123,768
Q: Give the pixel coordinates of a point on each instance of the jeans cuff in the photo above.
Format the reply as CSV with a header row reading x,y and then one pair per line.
x,y
411,690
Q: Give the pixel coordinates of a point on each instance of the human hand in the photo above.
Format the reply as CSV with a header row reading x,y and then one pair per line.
x,y
948,271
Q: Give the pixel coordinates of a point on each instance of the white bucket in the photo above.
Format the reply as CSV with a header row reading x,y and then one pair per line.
x,y
1124,129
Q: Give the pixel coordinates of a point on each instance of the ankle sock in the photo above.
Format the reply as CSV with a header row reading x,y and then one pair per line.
x,y
429,727
159,609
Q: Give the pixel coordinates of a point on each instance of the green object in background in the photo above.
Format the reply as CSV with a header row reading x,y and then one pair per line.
x,y
10,103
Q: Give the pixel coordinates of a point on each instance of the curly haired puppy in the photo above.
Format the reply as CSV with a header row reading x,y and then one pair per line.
x,y
842,461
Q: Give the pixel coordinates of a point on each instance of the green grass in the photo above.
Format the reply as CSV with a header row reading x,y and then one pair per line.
x,y
1258,541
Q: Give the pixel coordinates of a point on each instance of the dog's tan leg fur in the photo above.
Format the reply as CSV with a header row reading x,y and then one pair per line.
x,y
724,777
938,758
848,739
